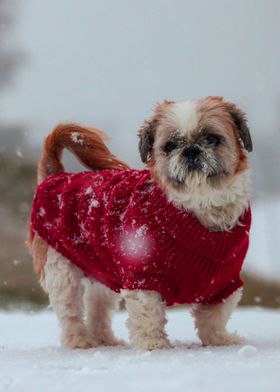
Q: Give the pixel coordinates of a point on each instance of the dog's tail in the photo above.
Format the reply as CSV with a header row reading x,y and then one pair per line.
x,y
85,143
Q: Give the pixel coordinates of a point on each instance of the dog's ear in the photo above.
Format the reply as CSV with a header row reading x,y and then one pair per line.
x,y
147,131
240,121
146,139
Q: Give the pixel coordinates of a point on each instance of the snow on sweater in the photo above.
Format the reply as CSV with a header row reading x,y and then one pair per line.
x,y
119,228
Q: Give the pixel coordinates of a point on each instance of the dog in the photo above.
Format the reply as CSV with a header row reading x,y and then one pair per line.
x,y
175,232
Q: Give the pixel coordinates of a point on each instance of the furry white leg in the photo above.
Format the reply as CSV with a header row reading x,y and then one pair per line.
x,y
211,320
62,281
146,320
99,302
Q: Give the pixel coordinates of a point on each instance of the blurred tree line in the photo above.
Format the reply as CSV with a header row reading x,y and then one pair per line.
x,y
18,283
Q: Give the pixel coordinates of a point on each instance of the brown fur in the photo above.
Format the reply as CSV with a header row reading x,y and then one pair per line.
x,y
88,146
147,133
218,112
39,249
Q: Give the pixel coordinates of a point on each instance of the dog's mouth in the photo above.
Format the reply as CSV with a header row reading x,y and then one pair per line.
x,y
192,166
208,169
196,172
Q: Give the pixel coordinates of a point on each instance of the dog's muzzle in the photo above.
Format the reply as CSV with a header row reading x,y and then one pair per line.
x,y
192,158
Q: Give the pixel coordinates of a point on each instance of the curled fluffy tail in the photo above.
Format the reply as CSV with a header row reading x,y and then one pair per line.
x,y
85,143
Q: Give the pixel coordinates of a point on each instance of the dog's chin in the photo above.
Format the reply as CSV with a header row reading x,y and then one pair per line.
x,y
195,176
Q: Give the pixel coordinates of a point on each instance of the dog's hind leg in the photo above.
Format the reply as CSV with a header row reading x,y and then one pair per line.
x,y
62,281
211,320
99,302
146,322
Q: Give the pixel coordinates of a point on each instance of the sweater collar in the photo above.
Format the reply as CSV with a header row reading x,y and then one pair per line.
x,y
184,227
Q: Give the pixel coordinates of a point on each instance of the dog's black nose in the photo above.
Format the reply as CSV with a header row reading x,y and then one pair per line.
x,y
191,153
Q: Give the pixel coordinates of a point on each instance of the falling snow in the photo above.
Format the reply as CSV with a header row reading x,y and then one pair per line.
x,y
60,201
19,152
136,243
41,212
88,190
93,203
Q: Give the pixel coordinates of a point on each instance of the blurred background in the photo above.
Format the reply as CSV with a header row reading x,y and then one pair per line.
x,y
106,63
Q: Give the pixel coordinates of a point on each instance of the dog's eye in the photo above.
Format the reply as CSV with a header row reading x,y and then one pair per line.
x,y
213,139
169,146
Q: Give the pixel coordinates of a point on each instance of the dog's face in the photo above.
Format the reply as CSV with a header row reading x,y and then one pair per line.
x,y
191,143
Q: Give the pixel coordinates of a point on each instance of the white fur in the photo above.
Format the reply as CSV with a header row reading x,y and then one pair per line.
x,y
64,283
176,169
183,116
216,208
146,319
210,321
99,302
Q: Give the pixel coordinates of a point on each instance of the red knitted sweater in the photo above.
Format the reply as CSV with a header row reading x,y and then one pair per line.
x,y
120,229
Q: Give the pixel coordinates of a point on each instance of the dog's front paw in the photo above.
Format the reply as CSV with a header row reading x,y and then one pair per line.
x,y
79,340
221,338
152,344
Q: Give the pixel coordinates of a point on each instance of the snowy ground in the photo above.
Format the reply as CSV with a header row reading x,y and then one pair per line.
x,y
31,358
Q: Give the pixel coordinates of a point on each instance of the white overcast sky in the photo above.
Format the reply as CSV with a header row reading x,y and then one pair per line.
x,y
105,63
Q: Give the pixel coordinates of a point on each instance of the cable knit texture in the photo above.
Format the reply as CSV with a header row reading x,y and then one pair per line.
x,y
120,229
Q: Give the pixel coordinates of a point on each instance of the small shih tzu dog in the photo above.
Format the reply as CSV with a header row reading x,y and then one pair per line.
x,y
176,232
